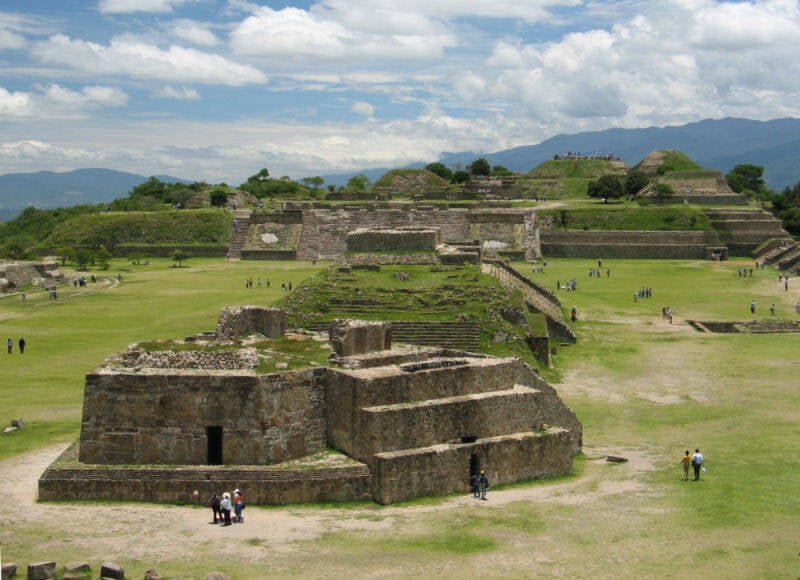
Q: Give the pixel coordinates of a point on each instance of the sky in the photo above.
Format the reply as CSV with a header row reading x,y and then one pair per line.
x,y
215,91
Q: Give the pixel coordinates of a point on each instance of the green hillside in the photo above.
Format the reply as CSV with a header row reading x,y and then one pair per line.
x,y
566,178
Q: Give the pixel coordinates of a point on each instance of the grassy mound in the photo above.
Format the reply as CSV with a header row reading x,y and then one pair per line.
x,y
566,178
409,181
417,293
195,227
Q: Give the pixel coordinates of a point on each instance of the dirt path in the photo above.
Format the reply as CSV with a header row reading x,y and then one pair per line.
x,y
162,532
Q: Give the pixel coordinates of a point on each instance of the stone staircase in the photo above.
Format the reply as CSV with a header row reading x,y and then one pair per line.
x,y
443,334
743,230
16,275
239,236
424,427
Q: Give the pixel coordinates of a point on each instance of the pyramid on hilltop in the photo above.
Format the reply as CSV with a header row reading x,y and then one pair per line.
x,y
691,182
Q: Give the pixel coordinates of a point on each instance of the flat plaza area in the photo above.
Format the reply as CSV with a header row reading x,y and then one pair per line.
x,y
645,389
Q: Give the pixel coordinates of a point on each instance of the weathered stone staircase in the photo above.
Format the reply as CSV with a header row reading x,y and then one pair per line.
x,y
444,334
743,230
239,237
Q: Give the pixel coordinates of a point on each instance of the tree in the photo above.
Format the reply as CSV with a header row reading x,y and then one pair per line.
x,y
218,198
501,171
83,257
65,254
480,167
746,178
180,256
607,187
359,182
635,181
663,192
102,257
315,182
460,176
440,169
137,257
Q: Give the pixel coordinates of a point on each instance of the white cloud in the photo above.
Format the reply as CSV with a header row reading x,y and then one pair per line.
x,y
197,33
57,102
146,61
363,108
182,94
299,33
16,104
129,6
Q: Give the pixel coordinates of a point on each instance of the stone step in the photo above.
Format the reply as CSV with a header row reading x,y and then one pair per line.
x,y
440,420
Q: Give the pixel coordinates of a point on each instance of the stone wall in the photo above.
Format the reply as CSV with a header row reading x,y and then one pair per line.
x,y
238,321
162,416
325,230
261,485
445,468
406,239
678,245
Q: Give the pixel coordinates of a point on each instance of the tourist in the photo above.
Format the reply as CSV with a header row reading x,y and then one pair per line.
x,y
259,282
786,283
686,461
697,463
772,310
10,344
797,308
21,345
573,314
238,505
669,314
753,306
214,503
24,296
475,484
225,506
483,483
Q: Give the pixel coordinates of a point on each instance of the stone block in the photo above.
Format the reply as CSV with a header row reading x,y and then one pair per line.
x,y
41,571
351,337
111,570
238,321
8,570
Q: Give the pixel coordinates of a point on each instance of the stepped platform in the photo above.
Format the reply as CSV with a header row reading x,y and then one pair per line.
x,y
295,482
241,219
678,245
743,230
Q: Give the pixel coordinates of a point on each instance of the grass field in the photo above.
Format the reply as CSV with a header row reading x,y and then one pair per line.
x,y
643,389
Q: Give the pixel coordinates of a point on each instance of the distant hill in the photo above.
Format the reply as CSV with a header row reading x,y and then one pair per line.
x,y
47,189
714,143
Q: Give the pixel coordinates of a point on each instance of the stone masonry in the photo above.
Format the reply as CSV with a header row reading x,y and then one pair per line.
x,y
413,421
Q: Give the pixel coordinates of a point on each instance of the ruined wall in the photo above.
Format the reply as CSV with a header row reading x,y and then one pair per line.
x,y
350,337
238,321
679,245
408,239
325,230
443,469
161,416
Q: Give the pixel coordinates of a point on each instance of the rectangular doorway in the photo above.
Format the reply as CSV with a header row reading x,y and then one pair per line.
x,y
214,449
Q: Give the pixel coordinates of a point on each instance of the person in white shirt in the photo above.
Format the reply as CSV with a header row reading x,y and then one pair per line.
x,y
697,463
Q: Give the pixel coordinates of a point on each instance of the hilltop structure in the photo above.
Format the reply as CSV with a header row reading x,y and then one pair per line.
x,y
409,422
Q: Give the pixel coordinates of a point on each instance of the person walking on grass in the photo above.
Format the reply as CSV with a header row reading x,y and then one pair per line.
x,y
483,484
686,460
21,345
697,463
10,345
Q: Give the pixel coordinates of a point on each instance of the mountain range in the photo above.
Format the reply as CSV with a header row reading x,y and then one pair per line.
x,y
712,143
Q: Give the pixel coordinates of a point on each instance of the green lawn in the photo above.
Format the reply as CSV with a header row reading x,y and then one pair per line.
x,y
643,388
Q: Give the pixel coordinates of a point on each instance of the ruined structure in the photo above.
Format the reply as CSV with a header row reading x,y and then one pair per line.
x,y
410,422
17,275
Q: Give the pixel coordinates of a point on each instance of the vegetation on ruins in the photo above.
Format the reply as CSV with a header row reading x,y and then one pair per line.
x,y
625,217
606,187
676,162
418,293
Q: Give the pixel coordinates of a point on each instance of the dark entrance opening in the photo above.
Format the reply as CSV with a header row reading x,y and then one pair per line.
x,y
474,464
214,437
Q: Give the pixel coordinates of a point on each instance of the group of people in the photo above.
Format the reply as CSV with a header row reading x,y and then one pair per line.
x,y
696,461
222,505
479,484
20,343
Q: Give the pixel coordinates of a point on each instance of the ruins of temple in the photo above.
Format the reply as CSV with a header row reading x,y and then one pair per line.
x,y
16,275
407,422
